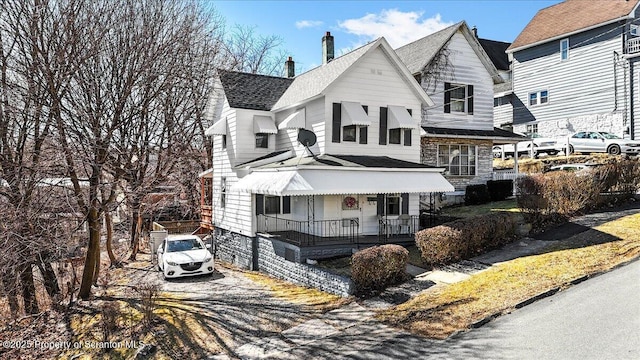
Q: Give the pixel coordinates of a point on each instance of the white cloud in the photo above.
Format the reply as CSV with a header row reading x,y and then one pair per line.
x,y
301,24
399,28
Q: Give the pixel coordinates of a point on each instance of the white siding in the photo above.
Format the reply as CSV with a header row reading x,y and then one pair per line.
x,y
238,211
374,82
468,70
583,85
315,121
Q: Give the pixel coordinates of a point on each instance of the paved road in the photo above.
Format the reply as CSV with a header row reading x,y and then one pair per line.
x,y
597,319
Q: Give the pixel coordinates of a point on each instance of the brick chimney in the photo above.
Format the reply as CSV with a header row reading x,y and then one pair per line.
x,y
290,68
327,48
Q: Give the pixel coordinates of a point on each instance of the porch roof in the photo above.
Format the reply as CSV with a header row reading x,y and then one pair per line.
x,y
292,181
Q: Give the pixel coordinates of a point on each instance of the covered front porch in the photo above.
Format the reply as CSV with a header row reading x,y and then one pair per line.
x,y
324,206
338,231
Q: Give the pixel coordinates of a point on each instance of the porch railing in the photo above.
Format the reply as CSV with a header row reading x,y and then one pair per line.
x,y
308,233
402,227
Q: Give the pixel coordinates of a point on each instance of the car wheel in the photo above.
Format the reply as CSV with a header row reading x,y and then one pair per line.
x,y
614,150
571,149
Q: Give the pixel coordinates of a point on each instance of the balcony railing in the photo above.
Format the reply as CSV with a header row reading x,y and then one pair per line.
x,y
633,45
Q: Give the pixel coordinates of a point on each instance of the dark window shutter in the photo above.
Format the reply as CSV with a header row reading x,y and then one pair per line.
x,y
259,204
286,204
337,122
447,98
407,137
405,203
383,126
380,204
470,99
364,130
407,132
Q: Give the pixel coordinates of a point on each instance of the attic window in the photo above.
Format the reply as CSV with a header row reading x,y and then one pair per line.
x,y
634,30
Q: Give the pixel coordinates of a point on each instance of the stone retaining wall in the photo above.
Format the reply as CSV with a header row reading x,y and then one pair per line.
x,y
266,255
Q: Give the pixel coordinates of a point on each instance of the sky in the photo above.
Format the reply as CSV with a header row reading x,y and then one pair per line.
x,y
301,24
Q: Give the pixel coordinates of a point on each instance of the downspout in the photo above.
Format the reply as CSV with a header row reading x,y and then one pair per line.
x,y
616,58
631,128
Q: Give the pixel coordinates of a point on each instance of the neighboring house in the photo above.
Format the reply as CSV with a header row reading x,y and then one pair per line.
x,y
574,68
502,92
356,183
459,76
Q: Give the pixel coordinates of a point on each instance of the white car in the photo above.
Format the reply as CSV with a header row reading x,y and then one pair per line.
x,y
541,145
598,141
184,255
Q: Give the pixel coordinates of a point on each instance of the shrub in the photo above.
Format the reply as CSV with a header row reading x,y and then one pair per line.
x,y
465,238
560,195
476,195
377,267
500,189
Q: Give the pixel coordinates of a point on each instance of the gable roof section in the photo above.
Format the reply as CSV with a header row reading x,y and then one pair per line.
x,y
317,81
571,16
418,54
252,91
496,50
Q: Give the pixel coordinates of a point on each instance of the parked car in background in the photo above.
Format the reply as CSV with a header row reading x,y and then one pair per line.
x,y
184,255
599,141
541,145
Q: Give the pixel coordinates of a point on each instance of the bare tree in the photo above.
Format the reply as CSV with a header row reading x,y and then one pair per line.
x,y
254,53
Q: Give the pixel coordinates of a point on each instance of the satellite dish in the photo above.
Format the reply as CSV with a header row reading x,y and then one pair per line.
x,y
306,137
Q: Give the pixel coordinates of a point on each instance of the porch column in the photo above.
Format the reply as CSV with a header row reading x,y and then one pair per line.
x,y
515,166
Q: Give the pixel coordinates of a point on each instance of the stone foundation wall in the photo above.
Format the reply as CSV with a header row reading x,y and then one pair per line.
x,y
609,122
234,248
278,259
270,262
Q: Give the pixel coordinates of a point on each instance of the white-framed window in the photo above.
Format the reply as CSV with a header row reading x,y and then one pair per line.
x,y
262,140
393,204
395,135
538,98
532,129
269,204
564,49
634,30
349,133
458,98
458,160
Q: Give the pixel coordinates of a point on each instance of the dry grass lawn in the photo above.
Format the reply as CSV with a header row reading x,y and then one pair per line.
x,y
312,299
443,310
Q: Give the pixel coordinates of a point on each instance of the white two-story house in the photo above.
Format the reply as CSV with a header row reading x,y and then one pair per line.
x,y
575,69
458,75
314,165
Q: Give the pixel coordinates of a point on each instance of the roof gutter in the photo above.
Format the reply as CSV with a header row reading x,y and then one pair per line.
x,y
472,137
561,36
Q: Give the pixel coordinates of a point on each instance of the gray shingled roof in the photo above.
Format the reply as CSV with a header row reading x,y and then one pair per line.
x,y
418,54
252,91
315,81
497,52
348,161
496,133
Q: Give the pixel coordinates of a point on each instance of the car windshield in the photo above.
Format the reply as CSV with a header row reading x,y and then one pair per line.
x,y
183,245
609,136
